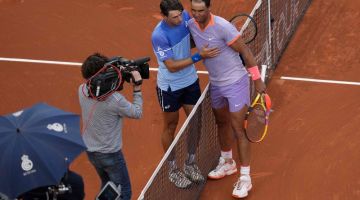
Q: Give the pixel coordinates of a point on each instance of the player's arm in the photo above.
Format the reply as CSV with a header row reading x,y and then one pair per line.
x,y
164,52
250,62
233,39
239,46
176,65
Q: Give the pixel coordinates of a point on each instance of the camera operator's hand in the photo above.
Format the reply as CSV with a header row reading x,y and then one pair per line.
x,y
136,80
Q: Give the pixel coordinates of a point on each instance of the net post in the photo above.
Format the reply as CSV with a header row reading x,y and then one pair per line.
x,y
263,72
269,61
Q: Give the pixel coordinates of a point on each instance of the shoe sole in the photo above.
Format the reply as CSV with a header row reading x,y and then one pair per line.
x,y
186,187
196,181
183,188
228,173
240,197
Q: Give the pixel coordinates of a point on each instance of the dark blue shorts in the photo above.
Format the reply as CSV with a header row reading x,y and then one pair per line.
x,y
172,101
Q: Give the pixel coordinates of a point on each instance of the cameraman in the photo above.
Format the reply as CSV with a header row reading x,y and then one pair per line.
x,y
102,126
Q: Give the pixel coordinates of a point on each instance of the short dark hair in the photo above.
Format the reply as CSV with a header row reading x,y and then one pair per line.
x,y
167,5
93,64
207,2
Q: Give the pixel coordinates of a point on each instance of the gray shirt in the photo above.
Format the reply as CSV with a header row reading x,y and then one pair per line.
x,y
103,120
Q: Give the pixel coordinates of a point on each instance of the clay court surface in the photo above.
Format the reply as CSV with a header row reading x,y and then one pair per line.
x,y
312,150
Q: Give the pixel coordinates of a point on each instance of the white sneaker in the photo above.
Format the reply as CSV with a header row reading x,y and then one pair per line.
x,y
242,187
223,169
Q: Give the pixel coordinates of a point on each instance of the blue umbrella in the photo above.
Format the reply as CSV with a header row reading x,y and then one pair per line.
x,y
37,145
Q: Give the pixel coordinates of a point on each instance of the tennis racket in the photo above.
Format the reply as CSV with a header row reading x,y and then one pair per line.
x,y
246,25
257,118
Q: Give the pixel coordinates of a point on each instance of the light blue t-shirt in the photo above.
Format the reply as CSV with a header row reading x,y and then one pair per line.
x,y
227,67
173,43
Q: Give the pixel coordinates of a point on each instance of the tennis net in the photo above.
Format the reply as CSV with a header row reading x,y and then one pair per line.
x,y
277,21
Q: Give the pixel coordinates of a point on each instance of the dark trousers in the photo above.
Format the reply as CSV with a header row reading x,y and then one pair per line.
x,y
112,167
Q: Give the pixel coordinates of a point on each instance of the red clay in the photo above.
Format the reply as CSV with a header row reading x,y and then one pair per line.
x,y
311,151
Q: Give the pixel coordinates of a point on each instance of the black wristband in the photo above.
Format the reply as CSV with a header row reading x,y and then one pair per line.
x,y
137,91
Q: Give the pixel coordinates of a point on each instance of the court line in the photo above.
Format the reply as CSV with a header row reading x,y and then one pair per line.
x,y
156,69
51,62
319,80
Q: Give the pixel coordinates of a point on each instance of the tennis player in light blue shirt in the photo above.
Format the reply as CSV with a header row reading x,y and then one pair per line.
x,y
173,42
177,83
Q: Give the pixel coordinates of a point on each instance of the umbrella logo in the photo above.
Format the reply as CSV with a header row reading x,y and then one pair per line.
x,y
26,163
34,164
57,127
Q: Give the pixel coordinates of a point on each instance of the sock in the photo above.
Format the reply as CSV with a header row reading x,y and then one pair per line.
x,y
226,154
245,170
190,160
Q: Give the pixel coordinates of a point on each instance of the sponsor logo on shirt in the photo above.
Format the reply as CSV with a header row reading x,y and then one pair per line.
x,y
211,38
161,52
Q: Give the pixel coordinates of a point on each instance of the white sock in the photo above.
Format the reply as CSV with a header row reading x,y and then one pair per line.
x,y
245,170
226,154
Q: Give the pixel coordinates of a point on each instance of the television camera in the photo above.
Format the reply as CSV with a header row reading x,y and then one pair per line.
x,y
112,76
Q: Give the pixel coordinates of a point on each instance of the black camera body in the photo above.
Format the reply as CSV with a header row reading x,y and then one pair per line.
x,y
114,73
127,66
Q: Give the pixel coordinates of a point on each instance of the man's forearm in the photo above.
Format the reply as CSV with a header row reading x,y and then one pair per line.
x,y
176,65
248,58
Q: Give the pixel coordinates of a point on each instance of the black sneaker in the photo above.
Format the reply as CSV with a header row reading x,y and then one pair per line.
x,y
179,179
193,172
